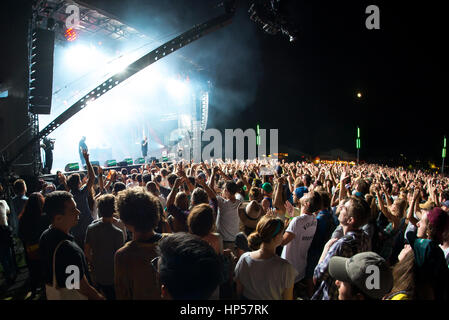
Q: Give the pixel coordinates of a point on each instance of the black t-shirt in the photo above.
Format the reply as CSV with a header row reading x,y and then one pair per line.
x,y
69,253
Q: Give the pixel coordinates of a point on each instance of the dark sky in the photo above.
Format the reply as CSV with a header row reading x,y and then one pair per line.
x,y
307,89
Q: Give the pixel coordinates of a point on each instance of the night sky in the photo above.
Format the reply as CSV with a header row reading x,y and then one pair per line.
x,y
307,89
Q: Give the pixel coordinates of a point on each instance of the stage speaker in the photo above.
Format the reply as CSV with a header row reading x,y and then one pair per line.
x,y
110,163
41,71
129,161
139,161
72,167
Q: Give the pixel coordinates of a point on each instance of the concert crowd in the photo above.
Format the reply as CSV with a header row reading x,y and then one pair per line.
x,y
218,230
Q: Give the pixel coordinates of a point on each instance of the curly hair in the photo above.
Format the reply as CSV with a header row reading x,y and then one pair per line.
x,y
138,208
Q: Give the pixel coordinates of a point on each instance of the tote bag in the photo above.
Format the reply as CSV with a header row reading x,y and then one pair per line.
x,y
55,293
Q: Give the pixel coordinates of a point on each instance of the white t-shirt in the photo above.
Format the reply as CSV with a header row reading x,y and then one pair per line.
x,y
228,218
264,279
295,252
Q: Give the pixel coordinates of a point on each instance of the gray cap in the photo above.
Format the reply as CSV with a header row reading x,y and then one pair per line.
x,y
368,271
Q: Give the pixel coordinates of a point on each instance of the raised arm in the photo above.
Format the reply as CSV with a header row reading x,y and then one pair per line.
x,y
90,171
392,218
342,193
411,210
387,195
210,193
277,200
174,191
63,181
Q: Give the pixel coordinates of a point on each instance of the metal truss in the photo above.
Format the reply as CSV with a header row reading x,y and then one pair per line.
x,y
162,51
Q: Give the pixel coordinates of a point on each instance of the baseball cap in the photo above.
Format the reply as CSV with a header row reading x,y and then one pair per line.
x,y
299,192
267,187
356,270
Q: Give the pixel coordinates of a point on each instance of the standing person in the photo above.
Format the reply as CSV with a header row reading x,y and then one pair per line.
x,y
18,202
6,245
81,194
32,223
300,233
249,214
267,202
144,146
228,213
134,278
48,146
352,215
201,222
262,274
429,257
103,239
59,252
325,227
81,148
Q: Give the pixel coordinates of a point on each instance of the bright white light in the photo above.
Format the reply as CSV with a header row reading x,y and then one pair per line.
x,y
81,57
177,88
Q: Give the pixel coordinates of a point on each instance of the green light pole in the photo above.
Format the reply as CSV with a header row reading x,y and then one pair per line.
x,y
258,135
443,156
358,144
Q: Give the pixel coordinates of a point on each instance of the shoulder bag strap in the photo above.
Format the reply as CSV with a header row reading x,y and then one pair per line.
x,y
55,285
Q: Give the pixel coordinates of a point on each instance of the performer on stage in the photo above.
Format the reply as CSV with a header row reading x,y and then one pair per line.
x,y
144,146
82,146
48,146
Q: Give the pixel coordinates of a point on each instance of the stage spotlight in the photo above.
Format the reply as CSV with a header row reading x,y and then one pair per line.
x,y
70,34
